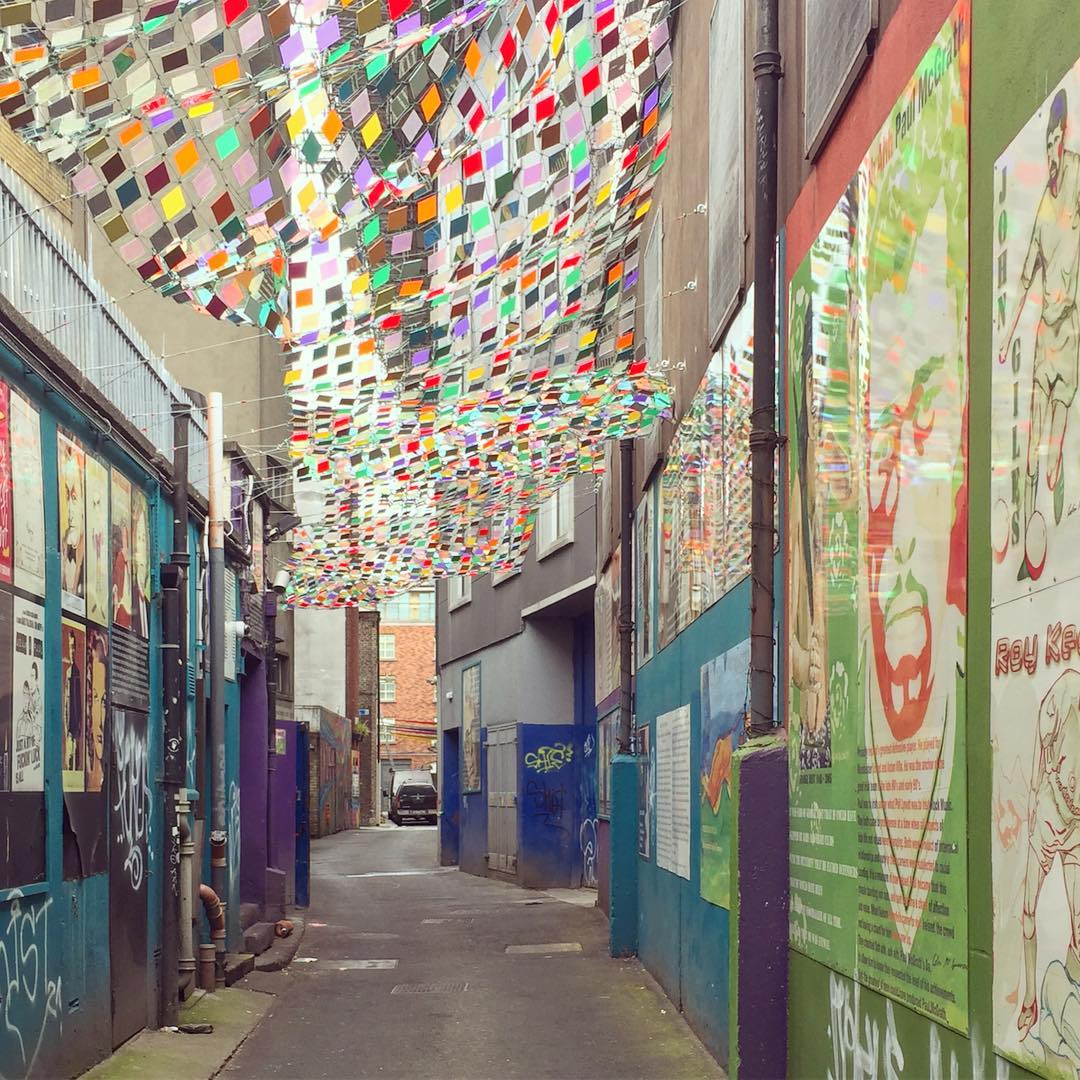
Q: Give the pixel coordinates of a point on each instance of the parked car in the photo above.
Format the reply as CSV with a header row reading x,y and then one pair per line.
x,y
414,802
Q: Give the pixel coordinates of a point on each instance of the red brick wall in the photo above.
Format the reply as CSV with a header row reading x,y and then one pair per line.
x,y
415,704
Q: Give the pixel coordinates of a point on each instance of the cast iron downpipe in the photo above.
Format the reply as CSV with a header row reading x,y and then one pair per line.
x,y
174,690
763,440
269,600
218,509
626,594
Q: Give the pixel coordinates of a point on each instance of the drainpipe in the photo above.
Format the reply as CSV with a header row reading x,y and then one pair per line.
x,y
626,594
218,509
763,438
173,579
187,882
270,623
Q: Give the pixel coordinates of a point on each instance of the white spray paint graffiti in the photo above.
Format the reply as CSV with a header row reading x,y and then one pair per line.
x,y
132,796
32,995
234,833
587,839
862,1051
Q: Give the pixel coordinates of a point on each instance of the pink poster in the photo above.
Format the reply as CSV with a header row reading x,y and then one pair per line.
x,y
6,523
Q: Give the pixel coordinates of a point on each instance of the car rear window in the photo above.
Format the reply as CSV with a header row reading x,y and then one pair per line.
x,y
417,789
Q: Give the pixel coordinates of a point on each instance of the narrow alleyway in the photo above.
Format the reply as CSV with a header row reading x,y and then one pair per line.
x,y
454,1002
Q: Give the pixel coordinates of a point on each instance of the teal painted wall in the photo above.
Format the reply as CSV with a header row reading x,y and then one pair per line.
x,y
55,995
682,939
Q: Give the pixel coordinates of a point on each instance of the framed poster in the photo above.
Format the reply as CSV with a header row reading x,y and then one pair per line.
x,y
73,703
606,736
28,698
120,549
97,702
98,540
645,792
725,693
71,478
28,506
140,571
673,791
470,729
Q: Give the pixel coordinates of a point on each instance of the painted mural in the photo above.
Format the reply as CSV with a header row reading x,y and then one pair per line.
x,y
1035,532
27,496
704,511
97,546
73,687
724,704
470,728
71,469
877,396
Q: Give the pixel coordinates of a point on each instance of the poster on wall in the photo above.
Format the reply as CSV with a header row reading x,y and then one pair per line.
x,y
644,571
673,791
877,397
27,501
71,476
7,522
140,572
121,550
470,728
73,703
606,738
98,541
645,789
97,704
1035,536
7,727
606,629
28,694
725,700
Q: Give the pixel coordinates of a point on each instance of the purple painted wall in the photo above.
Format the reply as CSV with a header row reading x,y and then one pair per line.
x,y
253,780
762,838
282,854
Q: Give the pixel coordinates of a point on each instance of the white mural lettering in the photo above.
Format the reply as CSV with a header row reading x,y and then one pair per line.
x,y
132,796
587,839
234,832
31,1003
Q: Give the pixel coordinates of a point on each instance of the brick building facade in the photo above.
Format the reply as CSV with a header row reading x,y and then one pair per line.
x,y
406,680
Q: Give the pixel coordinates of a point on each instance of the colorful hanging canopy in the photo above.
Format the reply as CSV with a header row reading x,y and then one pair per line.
x,y
435,206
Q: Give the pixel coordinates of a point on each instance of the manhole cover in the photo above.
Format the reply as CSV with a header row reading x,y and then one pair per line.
x,y
430,988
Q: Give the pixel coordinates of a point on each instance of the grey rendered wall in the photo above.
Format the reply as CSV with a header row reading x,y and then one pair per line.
x,y
319,658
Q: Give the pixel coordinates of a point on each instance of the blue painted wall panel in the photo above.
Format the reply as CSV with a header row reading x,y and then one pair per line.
x,y
549,764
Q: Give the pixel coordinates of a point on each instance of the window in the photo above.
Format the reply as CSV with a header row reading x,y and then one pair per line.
x,y
460,591
279,481
555,522
726,212
387,647
283,684
386,729
387,688
837,36
417,606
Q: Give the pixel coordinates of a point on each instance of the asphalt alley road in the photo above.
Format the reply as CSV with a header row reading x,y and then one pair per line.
x,y
456,1004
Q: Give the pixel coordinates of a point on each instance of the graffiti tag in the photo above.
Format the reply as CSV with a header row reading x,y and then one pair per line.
x,y
547,802
132,796
587,840
32,993
549,758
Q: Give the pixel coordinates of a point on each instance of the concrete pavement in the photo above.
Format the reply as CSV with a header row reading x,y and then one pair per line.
x,y
444,998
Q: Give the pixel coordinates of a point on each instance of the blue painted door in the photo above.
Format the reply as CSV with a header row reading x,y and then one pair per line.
x,y
303,834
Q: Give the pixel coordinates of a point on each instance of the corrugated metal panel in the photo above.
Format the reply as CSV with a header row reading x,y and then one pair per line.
x,y
50,284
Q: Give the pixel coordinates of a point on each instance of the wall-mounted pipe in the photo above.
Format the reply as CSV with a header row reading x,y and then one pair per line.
x,y
187,937
215,915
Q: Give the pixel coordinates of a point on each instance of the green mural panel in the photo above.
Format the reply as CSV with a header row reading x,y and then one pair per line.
x,y
877,352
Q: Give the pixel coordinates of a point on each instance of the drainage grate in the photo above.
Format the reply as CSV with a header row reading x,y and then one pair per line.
x,y
553,947
430,988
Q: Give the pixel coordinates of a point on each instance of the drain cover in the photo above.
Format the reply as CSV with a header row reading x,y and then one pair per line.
x,y
430,988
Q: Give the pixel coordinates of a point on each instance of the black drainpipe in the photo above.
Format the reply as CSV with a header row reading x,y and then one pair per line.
x,y
763,439
626,595
174,687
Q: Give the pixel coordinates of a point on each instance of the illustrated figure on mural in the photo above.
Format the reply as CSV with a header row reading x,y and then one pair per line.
x,y
72,521
75,733
140,584
808,637
96,673
1053,256
1054,833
